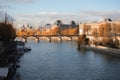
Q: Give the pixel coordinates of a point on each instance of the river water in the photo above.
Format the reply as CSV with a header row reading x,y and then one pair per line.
x,y
62,61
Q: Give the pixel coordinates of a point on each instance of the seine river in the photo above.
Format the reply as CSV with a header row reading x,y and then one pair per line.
x,y
62,61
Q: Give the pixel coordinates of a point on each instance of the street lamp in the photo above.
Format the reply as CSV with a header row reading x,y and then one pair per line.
x,y
5,18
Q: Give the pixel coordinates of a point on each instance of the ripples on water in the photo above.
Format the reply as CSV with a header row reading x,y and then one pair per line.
x,y
62,61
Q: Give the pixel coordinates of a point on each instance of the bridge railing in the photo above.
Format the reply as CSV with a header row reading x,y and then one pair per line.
x,y
47,35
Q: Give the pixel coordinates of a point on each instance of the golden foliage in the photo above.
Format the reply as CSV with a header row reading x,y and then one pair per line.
x,y
101,31
104,30
94,33
87,28
116,28
51,31
69,31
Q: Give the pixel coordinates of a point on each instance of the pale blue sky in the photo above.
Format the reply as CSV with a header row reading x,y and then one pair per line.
x,y
64,6
35,7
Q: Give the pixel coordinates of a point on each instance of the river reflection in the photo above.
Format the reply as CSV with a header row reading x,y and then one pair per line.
x,y
62,61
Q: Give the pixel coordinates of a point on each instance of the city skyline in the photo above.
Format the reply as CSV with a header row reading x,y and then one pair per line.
x,y
38,12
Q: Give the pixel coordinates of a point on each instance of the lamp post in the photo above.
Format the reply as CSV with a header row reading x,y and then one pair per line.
x,y
5,18
4,13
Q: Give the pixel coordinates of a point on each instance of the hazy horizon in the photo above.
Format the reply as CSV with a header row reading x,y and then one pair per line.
x,y
40,12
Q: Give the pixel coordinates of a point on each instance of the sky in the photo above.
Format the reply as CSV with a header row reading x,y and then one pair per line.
x,y
40,12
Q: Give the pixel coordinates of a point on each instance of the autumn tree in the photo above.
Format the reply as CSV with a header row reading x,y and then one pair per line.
x,y
107,29
55,31
19,32
115,28
22,32
94,33
82,40
104,30
73,31
70,31
38,31
116,42
87,28
101,31
64,31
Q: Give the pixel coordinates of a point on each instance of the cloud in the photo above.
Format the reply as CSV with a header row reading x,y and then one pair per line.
x,y
4,7
115,15
42,18
17,1
47,13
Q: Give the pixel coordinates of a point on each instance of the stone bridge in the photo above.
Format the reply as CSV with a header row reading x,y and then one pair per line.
x,y
50,37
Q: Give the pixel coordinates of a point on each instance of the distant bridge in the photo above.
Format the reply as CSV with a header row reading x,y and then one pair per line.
x,y
50,37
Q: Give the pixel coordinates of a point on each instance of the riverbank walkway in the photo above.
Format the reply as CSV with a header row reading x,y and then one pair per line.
x,y
103,49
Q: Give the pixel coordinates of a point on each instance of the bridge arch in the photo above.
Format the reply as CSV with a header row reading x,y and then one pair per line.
x,y
66,38
50,38
56,38
25,39
44,38
33,38
74,38
19,39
